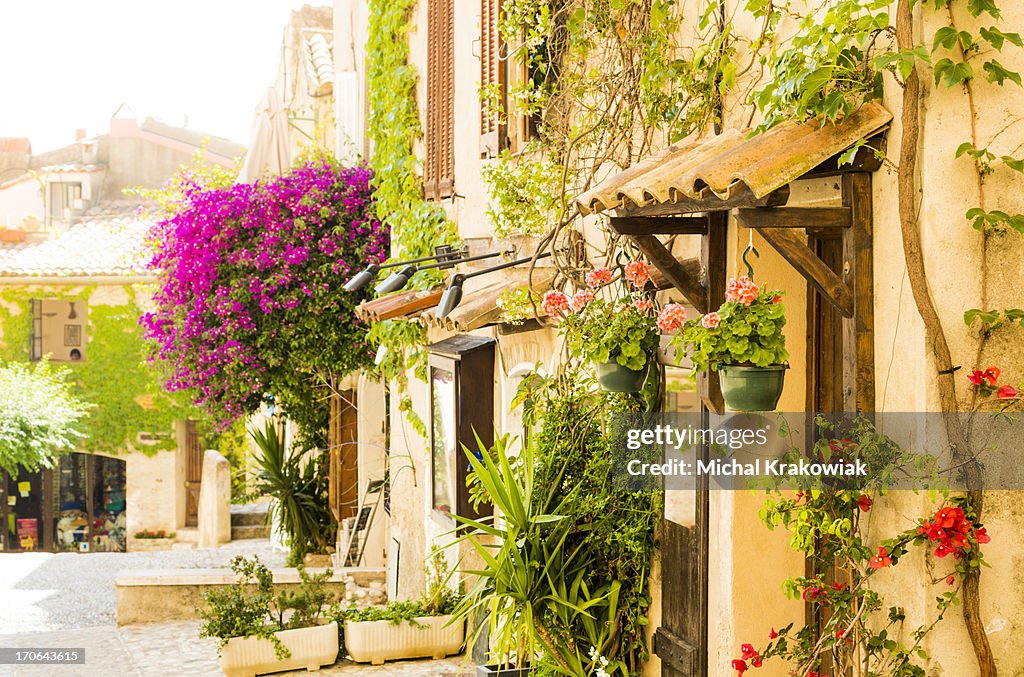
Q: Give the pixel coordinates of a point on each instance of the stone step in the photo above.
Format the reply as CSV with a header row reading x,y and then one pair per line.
x,y
251,514
187,535
245,531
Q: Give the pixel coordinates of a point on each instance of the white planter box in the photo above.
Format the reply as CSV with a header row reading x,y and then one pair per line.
x,y
379,641
311,648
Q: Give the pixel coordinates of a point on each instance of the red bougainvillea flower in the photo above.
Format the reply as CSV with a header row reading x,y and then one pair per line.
x,y
864,503
747,650
979,377
742,290
991,375
812,593
637,273
950,580
839,586
581,300
554,302
739,666
756,661
981,535
711,320
773,634
942,550
881,560
671,318
643,305
976,377
598,277
1006,392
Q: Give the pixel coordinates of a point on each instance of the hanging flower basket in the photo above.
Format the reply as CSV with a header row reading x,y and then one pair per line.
x,y
750,388
616,378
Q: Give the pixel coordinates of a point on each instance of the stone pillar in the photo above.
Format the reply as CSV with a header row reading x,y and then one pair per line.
x,y
215,501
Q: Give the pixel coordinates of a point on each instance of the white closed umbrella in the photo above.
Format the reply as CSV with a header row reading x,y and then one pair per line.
x,y
268,152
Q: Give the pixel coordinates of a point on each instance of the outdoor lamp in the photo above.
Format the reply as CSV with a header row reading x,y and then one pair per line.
x,y
362,278
397,280
451,297
453,293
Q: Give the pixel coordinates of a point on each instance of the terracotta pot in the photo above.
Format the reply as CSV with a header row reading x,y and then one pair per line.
x,y
11,235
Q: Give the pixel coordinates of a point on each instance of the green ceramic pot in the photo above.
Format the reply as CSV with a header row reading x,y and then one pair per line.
x,y
615,378
752,388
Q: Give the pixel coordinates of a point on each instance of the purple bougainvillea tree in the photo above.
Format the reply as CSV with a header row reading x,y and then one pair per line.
x,y
249,302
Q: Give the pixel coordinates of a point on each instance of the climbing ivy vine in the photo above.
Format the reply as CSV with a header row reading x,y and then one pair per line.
x,y
124,393
417,225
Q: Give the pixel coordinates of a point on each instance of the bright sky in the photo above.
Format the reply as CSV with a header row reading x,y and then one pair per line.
x,y
66,64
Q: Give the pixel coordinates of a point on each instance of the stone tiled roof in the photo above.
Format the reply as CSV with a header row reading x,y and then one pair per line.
x,y
96,248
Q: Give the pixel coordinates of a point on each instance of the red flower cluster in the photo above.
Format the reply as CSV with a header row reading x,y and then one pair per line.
x,y
749,654
881,560
671,318
554,302
598,277
986,384
953,532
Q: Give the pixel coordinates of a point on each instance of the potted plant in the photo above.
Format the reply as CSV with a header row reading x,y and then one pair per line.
x,y
744,343
407,629
261,632
618,335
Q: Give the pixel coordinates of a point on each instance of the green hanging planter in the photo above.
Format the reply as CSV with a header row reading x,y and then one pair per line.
x,y
748,388
616,378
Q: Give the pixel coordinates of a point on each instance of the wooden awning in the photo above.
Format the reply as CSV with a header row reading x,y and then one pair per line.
x,y
480,308
731,170
400,305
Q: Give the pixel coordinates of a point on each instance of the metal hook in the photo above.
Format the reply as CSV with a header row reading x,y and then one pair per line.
x,y
750,270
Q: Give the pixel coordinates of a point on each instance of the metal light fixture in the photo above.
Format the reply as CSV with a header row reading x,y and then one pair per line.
x,y
452,296
445,254
362,278
453,293
397,280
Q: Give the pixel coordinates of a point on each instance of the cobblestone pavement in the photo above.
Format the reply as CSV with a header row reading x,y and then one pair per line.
x,y
66,600
45,591
165,649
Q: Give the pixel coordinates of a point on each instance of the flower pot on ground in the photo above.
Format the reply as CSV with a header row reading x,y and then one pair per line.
x,y
617,335
309,648
420,637
743,341
262,632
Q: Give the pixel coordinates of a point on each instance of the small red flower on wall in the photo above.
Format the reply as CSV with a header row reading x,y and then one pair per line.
x,y
739,666
1006,392
864,503
881,560
773,634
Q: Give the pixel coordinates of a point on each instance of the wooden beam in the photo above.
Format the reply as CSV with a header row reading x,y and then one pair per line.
x,y
714,249
792,247
659,225
686,205
684,275
795,217
858,269
866,159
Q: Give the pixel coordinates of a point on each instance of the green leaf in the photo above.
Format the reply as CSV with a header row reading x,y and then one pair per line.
x,y
995,72
952,74
944,37
996,37
977,7
1013,163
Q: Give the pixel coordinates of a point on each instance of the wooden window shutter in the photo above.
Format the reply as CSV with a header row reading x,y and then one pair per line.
x,y
439,163
493,136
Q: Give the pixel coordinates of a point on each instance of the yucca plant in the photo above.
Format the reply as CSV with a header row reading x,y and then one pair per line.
x,y
530,574
299,488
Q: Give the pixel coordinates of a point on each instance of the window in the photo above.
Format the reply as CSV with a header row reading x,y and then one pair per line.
x,y
493,85
58,329
63,195
439,163
461,409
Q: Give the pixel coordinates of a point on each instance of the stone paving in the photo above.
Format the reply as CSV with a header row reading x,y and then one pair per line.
x,y
166,649
53,601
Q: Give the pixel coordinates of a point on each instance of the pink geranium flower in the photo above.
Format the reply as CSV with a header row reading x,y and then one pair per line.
x,y
711,320
741,290
598,277
643,305
671,318
581,300
554,302
637,273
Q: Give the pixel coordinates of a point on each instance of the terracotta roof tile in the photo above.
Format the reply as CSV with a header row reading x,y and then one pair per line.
x,y
730,163
103,247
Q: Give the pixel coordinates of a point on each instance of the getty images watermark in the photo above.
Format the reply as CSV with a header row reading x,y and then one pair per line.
x,y
808,450
674,438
